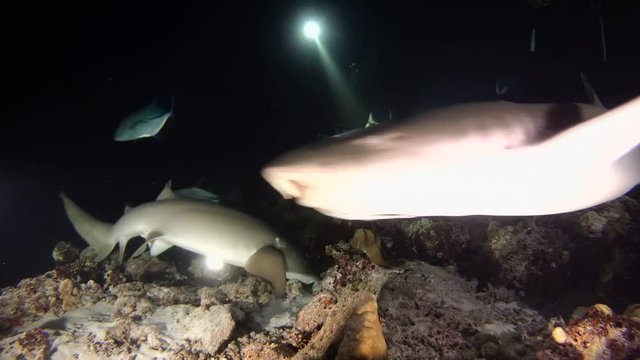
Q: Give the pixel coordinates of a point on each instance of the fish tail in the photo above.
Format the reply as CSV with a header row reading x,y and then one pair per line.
x,y
606,137
95,232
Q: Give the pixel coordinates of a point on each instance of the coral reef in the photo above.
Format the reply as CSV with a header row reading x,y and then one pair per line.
x,y
363,338
353,272
469,304
369,243
430,313
609,222
524,254
441,241
596,334
64,253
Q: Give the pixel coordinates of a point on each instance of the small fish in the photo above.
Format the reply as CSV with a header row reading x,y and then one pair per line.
x,y
506,84
202,190
485,158
146,122
371,122
592,95
198,193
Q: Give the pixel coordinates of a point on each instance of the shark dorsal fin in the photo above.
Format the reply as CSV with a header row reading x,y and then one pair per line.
x,y
166,192
591,92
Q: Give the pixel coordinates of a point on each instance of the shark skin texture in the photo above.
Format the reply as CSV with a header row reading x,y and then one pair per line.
x,y
486,158
222,235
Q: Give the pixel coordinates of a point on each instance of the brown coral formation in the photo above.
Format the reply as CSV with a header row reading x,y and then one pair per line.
x,y
598,334
34,344
368,242
324,342
364,337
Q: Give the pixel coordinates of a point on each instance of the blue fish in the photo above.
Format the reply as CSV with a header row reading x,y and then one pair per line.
x,y
146,122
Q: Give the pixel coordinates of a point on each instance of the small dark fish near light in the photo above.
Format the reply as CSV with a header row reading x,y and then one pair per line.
x,y
146,122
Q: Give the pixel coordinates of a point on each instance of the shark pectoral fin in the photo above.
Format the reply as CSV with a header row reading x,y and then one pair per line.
x,y
95,232
122,244
269,264
139,250
158,246
166,192
296,266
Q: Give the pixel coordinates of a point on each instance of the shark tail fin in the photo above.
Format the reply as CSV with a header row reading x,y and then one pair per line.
x,y
606,137
95,232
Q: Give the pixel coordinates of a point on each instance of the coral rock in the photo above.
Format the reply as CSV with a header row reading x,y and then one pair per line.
x,y
599,334
64,253
363,337
366,241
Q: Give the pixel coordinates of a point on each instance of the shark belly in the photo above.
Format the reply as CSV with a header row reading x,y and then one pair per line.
x,y
525,182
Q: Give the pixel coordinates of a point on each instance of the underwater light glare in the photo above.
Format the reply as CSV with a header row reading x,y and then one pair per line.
x,y
214,263
311,30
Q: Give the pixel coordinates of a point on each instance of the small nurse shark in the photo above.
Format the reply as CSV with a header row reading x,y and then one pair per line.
x,y
222,235
484,158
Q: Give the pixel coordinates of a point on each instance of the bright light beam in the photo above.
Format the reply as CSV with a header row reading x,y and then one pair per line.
x,y
214,264
348,104
311,30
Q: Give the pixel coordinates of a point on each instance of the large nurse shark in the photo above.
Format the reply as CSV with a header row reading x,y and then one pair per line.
x,y
220,234
484,158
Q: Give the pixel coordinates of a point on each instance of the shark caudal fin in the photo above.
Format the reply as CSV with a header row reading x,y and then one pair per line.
x,y
92,230
606,137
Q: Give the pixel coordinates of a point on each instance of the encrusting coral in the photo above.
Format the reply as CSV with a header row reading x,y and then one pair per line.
x,y
368,242
363,338
597,334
